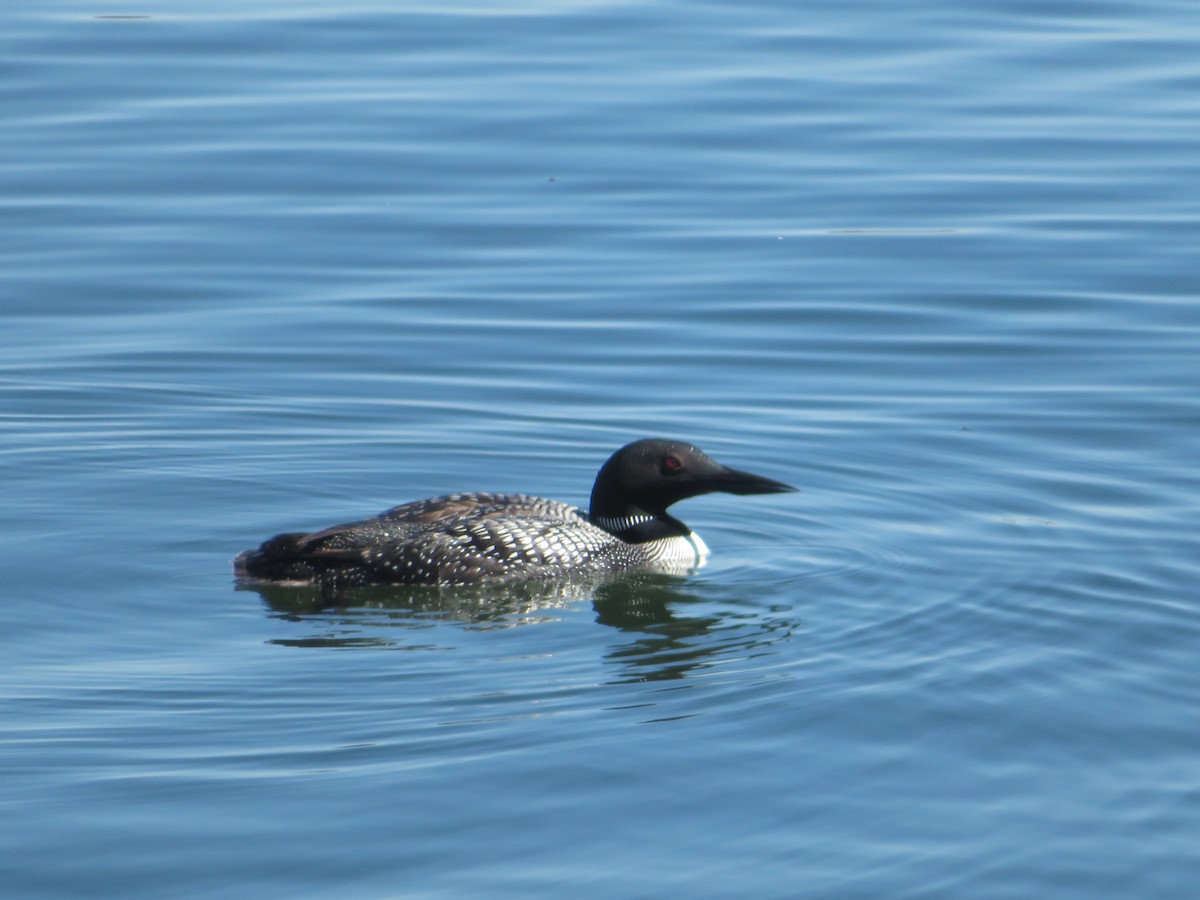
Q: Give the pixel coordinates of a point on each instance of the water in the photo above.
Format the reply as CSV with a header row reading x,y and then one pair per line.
x,y
269,266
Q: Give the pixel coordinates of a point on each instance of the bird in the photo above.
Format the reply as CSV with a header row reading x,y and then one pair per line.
x,y
472,538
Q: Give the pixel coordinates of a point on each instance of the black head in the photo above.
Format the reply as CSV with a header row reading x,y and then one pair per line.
x,y
646,477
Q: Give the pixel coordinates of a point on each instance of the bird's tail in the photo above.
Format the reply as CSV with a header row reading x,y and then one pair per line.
x,y
280,559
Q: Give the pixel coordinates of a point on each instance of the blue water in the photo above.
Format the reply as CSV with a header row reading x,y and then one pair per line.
x,y
268,266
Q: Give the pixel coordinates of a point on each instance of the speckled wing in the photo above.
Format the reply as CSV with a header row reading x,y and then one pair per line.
x,y
464,538
431,515
458,507
469,550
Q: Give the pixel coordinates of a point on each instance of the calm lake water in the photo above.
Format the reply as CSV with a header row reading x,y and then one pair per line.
x,y
273,265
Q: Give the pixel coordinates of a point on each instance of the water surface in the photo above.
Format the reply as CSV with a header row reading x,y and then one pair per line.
x,y
272,266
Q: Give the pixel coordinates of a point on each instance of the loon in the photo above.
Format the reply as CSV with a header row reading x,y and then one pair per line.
x,y
460,539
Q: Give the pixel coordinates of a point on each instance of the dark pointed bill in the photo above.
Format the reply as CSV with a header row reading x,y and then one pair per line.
x,y
733,481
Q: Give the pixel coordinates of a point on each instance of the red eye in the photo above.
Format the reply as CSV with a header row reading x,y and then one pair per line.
x,y
671,465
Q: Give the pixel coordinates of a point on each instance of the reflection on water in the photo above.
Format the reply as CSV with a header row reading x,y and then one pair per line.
x,y
679,632
474,606
676,630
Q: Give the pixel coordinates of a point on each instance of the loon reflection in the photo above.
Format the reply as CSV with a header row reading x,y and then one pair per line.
x,y
670,635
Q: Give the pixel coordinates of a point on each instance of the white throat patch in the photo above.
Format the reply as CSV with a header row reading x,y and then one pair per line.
x,y
616,526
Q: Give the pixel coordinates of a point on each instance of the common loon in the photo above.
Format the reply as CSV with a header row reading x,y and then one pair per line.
x,y
467,538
